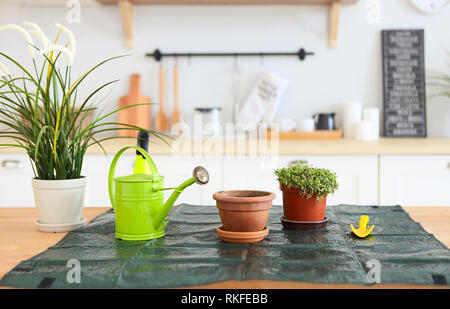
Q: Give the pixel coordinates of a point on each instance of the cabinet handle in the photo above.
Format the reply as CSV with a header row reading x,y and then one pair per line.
x,y
12,164
294,162
448,165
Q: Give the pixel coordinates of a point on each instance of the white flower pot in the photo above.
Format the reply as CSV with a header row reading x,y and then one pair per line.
x,y
59,203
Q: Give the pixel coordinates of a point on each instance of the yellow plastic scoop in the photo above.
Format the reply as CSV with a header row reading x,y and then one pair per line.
x,y
362,230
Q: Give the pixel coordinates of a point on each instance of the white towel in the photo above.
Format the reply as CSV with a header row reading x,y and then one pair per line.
x,y
263,101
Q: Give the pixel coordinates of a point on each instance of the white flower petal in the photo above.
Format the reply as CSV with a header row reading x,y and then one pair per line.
x,y
24,33
60,48
3,70
72,41
45,41
38,32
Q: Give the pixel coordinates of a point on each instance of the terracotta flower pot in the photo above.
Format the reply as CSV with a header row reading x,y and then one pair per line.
x,y
297,207
244,210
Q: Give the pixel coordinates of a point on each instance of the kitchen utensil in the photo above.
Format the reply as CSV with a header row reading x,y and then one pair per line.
x,y
362,230
324,121
138,199
305,125
372,115
286,124
161,122
351,114
210,120
237,91
176,111
138,115
314,135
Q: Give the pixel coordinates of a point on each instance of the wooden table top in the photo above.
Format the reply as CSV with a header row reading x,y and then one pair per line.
x,y
20,240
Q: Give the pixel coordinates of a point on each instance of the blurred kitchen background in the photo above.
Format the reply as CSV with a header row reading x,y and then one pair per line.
x,y
320,83
385,171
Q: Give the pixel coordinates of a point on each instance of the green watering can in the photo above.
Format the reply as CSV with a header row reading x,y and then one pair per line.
x,y
138,199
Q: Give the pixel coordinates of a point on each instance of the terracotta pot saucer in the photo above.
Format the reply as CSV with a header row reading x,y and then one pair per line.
x,y
302,225
242,237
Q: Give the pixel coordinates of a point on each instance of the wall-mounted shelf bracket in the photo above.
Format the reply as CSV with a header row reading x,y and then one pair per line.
x,y
335,8
126,10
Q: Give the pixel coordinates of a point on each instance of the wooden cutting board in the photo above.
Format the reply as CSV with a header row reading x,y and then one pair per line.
x,y
139,115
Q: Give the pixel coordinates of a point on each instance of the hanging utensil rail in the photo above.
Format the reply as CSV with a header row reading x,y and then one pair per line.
x,y
158,55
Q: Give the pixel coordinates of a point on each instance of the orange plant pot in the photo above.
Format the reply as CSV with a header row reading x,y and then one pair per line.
x,y
244,210
297,207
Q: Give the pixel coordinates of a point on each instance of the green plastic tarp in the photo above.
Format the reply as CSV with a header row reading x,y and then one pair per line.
x,y
192,254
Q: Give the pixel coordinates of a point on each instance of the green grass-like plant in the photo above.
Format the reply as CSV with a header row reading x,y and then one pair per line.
x,y
44,116
310,181
441,82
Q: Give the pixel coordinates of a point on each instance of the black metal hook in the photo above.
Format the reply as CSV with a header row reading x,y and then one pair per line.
x,y
302,53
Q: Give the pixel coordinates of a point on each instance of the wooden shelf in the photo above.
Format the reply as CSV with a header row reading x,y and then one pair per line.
x,y
126,8
310,136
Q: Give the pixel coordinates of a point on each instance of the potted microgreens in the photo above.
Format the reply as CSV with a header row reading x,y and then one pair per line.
x,y
305,191
44,116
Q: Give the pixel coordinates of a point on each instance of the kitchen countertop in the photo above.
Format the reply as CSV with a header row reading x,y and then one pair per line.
x,y
20,240
216,146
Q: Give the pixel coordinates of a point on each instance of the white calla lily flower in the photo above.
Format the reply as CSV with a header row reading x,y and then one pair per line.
x,y
36,30
72,41
43,39
60,48
3,70
25,34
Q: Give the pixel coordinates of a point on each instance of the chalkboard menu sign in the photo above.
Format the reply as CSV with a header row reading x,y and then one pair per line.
x,y
404,83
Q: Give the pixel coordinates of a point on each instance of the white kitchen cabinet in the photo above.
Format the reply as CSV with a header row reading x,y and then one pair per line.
x,y
15,180
412,180
357,175
415,180
96,168
16,175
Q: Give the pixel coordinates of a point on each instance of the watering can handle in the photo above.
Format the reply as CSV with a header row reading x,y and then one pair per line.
x,y
112,169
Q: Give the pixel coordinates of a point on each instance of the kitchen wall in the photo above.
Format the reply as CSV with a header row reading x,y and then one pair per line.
x,y
320,83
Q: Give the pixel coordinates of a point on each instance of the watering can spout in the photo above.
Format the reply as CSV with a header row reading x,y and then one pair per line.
x,y
200,175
